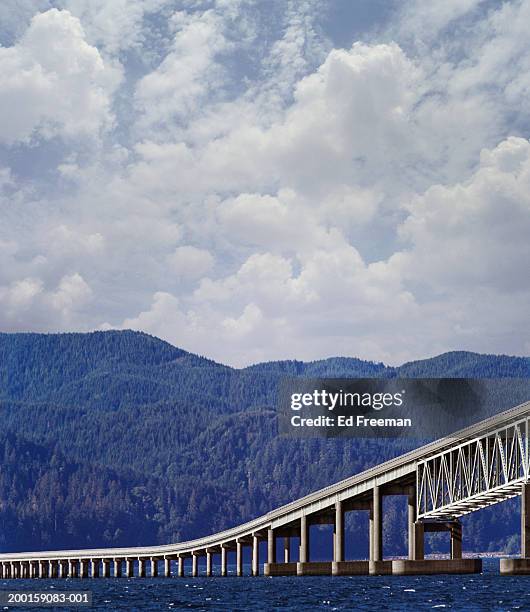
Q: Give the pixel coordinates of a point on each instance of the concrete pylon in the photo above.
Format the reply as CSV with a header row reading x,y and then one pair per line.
x,y
167,567
106,568
224,569
141,568
338,533
129,567
180,567
117,568
304,554
43,567
286,549
416,532
255,555
271,546
95,568
239,558
154,567
208,563
194,565
525,520
376,523
456,540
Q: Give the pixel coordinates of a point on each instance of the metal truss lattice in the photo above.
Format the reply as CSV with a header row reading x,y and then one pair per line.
x,y
473,474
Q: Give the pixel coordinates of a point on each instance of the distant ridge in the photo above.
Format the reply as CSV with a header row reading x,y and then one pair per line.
x,y
118,438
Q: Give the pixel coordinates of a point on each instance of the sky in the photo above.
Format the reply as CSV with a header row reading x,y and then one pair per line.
x,y
268,179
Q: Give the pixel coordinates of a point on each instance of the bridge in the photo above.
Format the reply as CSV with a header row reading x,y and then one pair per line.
x,y
476,467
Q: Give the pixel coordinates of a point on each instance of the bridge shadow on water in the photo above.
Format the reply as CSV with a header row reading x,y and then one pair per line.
x,y
488,591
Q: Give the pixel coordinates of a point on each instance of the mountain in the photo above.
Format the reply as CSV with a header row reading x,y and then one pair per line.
x,y
127,440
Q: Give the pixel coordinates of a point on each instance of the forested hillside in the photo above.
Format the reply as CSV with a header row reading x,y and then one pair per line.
x,y
118,438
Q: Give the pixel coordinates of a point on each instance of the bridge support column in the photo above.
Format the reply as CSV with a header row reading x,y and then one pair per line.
x,y
239,558
180,567
456,540
415,530
84,568
129,567
376,526
525,520
255,555
117,568
106,568
167,567
418,534
154,567
271,546
208,563
286,549
304,554
42,569
194,566
376,564
141,568
223,561
338,533
54,569
95,568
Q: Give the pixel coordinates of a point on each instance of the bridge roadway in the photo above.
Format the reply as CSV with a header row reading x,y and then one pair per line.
x,y
480,465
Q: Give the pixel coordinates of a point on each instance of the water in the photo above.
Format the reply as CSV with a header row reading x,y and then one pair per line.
x,y
488,591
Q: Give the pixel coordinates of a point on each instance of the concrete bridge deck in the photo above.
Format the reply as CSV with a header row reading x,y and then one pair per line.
x,y
480,465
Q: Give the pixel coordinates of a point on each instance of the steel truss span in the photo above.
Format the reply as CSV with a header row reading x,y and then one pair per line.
x,y
474,474
475,467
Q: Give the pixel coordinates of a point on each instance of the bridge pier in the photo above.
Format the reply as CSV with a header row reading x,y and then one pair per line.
x,y
377,565
208,563
255,555
167,567
95,568
239,558
42,569
117,568
53,569
180,566
154,567
223,560
194,566
106,568
84,568
338,533
286,549
521,566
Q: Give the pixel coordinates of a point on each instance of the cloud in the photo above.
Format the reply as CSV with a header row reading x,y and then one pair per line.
x,y
245,189
29,299
474,233
188,73
189,262
53,83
